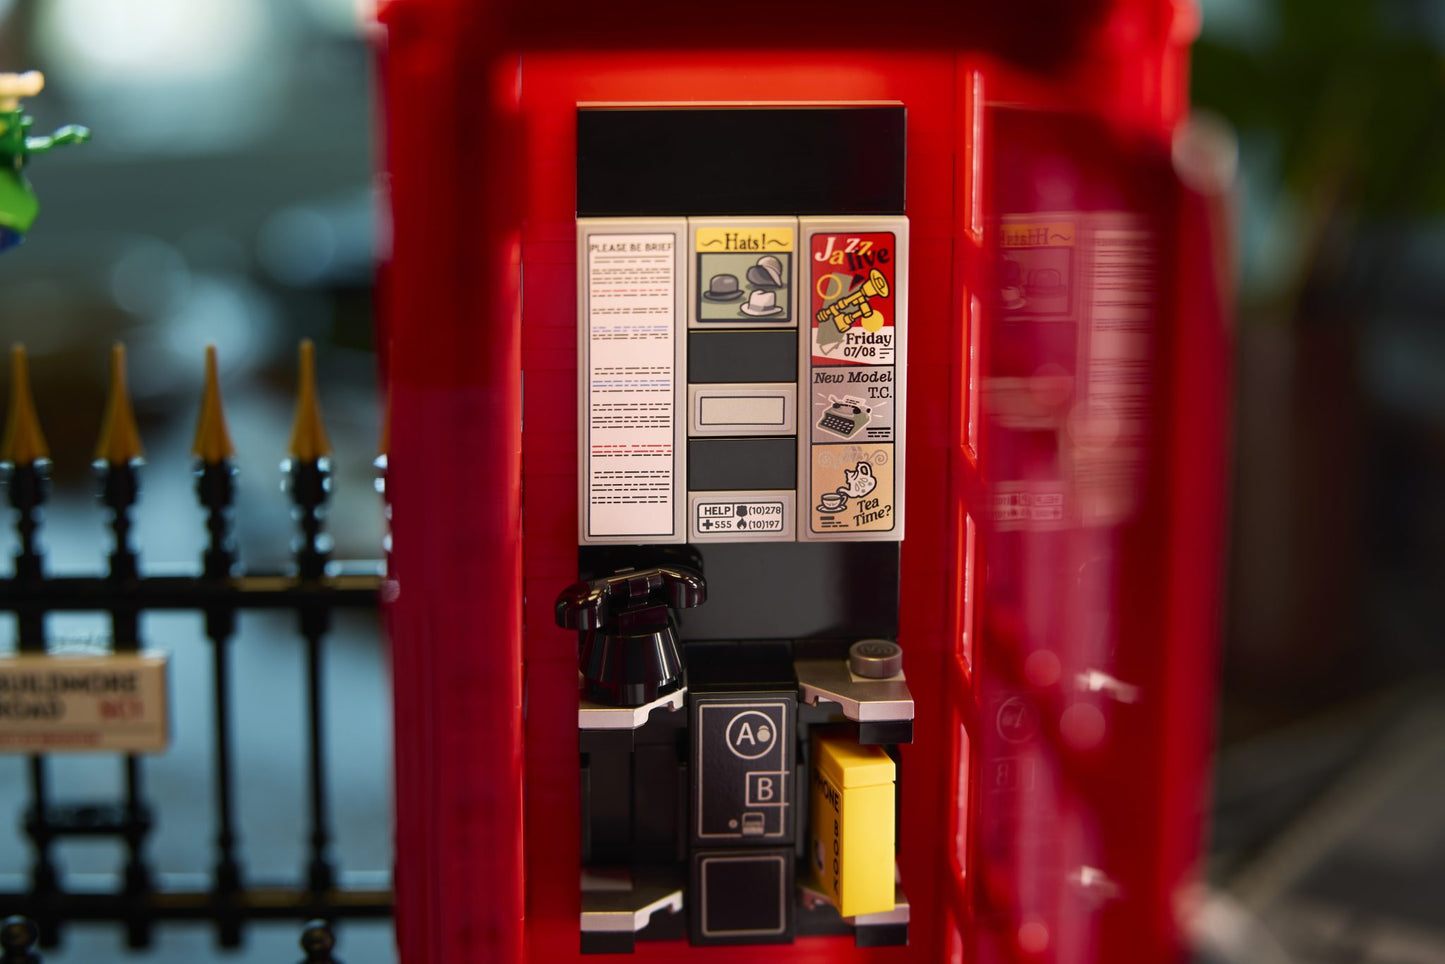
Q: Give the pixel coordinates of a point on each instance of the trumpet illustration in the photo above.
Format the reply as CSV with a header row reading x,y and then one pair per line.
x,y
855,306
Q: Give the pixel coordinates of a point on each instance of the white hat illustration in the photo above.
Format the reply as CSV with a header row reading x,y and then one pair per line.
x,y
762,303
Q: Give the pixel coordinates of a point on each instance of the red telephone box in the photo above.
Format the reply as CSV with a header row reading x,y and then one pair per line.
x,y
1055,589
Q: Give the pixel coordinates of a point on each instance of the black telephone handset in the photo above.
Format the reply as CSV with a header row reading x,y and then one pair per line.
x,y
628,647
589,605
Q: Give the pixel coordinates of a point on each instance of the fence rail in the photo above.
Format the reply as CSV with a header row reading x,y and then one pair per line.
x,y
19,935
316,589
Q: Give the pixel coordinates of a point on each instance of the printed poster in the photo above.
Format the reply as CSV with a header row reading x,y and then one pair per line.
x,y
631,306
852,383
744,275
852,488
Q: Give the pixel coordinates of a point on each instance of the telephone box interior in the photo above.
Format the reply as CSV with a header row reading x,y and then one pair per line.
x,y
632,245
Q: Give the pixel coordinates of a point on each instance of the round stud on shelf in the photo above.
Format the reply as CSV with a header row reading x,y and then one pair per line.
x,y
875,658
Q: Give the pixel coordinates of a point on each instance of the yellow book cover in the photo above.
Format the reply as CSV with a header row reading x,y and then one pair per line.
x,y
852,821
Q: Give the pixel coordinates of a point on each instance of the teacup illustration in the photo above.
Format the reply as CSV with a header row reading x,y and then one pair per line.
x,y
832,501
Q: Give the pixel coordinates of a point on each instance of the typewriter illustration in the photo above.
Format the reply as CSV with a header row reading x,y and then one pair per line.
x,y
843,419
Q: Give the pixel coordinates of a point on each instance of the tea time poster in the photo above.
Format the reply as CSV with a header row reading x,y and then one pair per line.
x,y
852,488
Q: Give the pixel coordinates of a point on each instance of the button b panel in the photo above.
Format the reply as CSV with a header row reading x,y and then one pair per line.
x,y
742,771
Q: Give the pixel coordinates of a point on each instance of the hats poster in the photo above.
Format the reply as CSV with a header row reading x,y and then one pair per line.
x,y
741,273
736,287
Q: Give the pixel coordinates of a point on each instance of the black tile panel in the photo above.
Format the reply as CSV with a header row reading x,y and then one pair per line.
x,y
722,357
697,161
725,464
742,897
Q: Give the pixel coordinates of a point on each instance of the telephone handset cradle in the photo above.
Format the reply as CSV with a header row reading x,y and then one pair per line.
x,y
627,642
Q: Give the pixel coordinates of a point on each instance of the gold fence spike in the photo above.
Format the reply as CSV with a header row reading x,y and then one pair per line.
x,y
119,438
212,442
308,432
24,443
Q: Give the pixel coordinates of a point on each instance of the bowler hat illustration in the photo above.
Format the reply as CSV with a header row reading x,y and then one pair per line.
x,y
768,272
762,303
723,287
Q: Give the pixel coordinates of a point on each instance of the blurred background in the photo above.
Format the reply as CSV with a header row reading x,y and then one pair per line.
x,y
1329,830
230,196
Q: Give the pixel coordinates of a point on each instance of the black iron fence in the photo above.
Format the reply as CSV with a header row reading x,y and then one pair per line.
x,y
19,935
313,591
